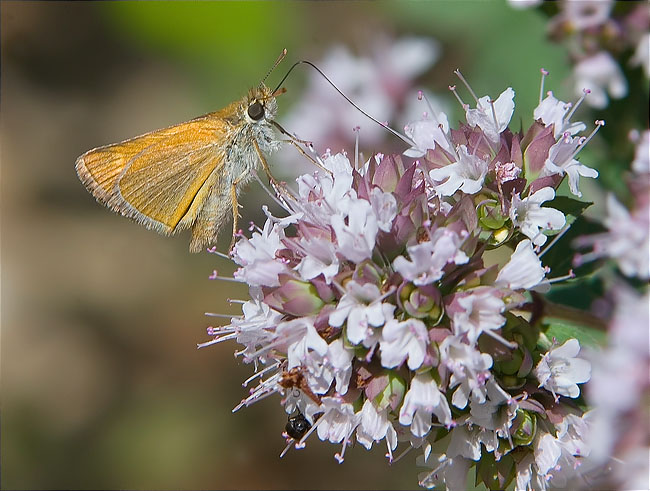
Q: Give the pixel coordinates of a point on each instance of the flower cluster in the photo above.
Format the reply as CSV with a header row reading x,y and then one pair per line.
x,y
392,302
597,36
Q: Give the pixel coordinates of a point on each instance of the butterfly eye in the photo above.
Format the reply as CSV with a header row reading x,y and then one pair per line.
x,y
256,111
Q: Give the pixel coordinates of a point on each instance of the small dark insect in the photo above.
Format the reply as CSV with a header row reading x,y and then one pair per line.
x,y
297,426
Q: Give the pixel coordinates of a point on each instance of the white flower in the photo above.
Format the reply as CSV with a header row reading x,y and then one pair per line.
x,y
384,207
256,256
642,54
628,240
338,421
601,75
404,340
426,133
356,229
560,161
300,338
340,358
488,414
363,313
641,162
430,257
476,311
553,112
319,374
492,120
531,218
559,371
321,193
467,174
464,443
583,14
618,388
449,473
469,368
524,269
555,456
407,57
320,254
422,401
375,426
547,453
524,4
527,477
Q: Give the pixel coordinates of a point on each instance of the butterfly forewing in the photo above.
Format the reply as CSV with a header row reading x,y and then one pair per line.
x,y
155,178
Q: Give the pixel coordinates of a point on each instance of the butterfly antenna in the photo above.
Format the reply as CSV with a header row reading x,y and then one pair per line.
x,y
383,125
277,62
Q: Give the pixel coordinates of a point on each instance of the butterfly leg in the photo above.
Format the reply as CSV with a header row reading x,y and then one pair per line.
x,y
305,154
276,185
235,211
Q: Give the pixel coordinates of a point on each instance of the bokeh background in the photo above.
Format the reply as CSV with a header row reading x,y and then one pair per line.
x,y
102,384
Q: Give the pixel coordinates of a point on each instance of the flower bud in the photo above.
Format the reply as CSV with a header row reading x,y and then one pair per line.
x,y
489,215
295,297
523,428
421,302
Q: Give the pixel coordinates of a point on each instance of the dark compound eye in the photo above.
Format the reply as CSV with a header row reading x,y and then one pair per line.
x,y
297,426
256,111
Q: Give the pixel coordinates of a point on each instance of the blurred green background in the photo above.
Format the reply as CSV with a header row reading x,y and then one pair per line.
x,y
102,386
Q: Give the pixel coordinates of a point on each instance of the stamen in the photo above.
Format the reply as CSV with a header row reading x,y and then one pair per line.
x,y
215,276
502,340
213,250
559,279
430,474
458,98
397,459
340,457
584,141
559,235
585,92
223,316
234,300
462,79
260,374
389,453
422,95
311,430
268,191
494,115
541,85
356,146
287,448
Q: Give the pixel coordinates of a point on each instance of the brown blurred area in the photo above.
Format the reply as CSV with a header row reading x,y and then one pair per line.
x,y
102,384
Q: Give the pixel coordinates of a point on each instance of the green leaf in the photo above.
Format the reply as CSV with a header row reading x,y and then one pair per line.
x,y
572,208
563,329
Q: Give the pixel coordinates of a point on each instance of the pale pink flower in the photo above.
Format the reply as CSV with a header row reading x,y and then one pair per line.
x,y
492,116
423,400
467,174
429,258
406,340
560,371
524,269
554,112
560,161
532,219
601,75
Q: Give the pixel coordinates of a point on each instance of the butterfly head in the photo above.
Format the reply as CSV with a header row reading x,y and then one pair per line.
x,y
260,104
